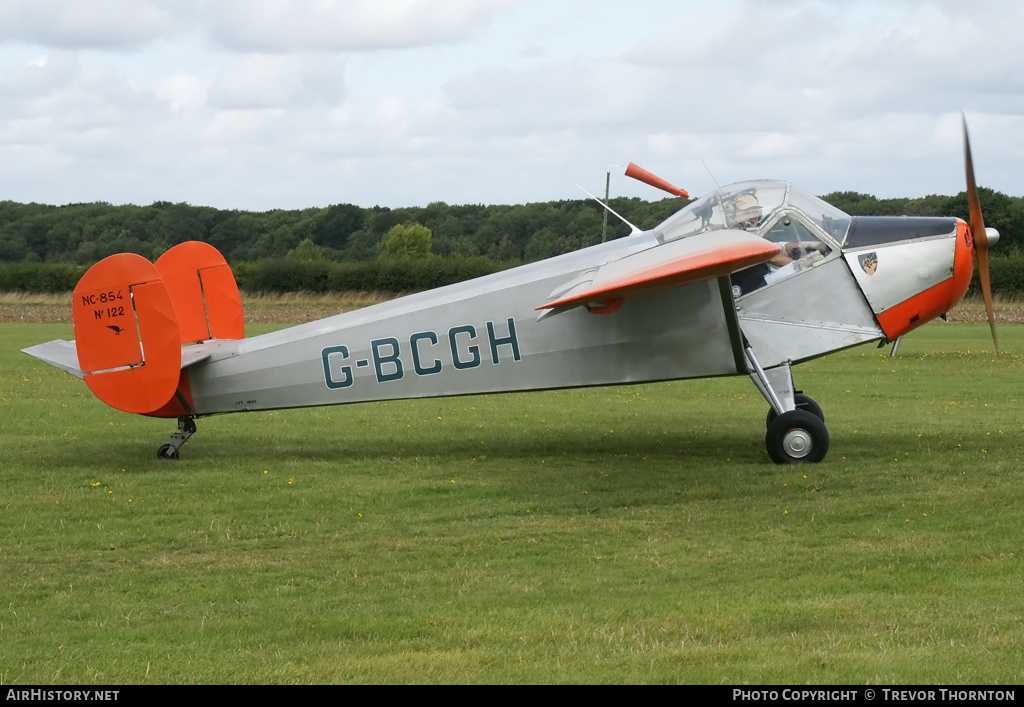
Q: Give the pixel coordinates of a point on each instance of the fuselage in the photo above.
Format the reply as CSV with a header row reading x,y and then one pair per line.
x,y
480,336
678,301
863,280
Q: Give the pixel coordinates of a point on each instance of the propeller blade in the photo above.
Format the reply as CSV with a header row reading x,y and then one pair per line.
x,y
980,237
641,174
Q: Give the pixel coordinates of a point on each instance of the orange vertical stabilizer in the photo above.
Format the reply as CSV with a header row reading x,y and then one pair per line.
x,y
126,334
203,291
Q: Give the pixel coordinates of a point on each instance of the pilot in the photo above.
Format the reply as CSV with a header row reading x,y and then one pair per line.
x,y
743,211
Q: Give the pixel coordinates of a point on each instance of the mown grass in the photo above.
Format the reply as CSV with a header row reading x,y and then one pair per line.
x,y
619,535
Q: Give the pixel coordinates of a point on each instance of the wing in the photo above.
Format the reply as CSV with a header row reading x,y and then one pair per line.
x,y
688,260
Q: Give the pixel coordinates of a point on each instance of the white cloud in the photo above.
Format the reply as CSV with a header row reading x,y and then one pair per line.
x,y
279,81
39,76
182,91
267,104
350,25
76,24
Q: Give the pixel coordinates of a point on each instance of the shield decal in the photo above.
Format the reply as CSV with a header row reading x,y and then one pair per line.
x,y
868,262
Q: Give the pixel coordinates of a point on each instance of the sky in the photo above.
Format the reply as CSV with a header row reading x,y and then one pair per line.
x,y
289,104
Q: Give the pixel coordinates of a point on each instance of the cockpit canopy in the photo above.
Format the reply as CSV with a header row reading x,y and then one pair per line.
x,y
809,230
752,206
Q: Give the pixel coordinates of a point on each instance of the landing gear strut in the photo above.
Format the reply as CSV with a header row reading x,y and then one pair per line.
x,y
802,403
796,425
186,428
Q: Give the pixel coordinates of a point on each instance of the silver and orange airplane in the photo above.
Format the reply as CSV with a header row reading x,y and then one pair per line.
x,y
748,280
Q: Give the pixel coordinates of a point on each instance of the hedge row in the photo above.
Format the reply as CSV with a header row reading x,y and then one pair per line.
x,y
1007,273
276,276
390,276
396,276
46,278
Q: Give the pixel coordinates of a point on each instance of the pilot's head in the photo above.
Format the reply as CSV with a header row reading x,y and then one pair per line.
x,y
743,211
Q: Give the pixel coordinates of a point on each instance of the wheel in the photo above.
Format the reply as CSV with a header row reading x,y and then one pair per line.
x,y
166,451
802,403
796,437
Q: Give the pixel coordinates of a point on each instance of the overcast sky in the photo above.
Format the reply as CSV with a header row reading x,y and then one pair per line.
x,y
264,104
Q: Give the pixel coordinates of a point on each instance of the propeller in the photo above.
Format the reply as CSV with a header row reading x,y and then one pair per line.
x,y
982,238
641,174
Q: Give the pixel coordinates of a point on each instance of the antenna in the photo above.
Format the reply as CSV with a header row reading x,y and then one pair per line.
x,y
708,169
718,188
635,230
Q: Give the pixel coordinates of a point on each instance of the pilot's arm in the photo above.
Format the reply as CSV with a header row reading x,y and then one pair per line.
x,y
794,250
790,252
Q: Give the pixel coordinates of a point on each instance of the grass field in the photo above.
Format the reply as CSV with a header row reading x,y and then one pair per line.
x,y
620,535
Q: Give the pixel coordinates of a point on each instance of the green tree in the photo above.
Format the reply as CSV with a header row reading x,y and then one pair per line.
x,y
336,224
307,251
542,244
402,241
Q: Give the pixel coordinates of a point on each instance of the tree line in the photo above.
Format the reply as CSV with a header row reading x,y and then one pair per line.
x,y
348,247
85,233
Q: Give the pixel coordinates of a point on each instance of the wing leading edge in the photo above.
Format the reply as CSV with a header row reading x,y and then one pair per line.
x,y
701,257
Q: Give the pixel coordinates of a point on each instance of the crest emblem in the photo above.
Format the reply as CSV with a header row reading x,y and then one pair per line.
x,y
868,262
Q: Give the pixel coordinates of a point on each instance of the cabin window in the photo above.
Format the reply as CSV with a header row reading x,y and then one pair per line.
x,y
803,249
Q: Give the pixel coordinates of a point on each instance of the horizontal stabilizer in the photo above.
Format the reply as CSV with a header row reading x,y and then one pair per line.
x,y
59,354
701,257
64,355
191,358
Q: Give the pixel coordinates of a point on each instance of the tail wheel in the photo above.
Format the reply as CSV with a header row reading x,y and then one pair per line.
x,y
166,451
796,437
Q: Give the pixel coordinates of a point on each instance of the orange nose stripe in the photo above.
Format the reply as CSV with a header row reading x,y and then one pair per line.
x,y
939,299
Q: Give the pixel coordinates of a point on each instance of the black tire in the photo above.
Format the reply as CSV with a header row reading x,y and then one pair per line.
x,y
802,403
166,452
796,437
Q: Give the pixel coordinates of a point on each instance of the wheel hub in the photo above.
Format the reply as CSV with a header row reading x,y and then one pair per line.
x,y
797,443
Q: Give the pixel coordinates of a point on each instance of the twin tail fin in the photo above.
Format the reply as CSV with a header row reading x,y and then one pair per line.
x,y
132,318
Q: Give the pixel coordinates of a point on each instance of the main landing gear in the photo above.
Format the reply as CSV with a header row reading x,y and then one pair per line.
x,y
797,436
796,425
186,428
